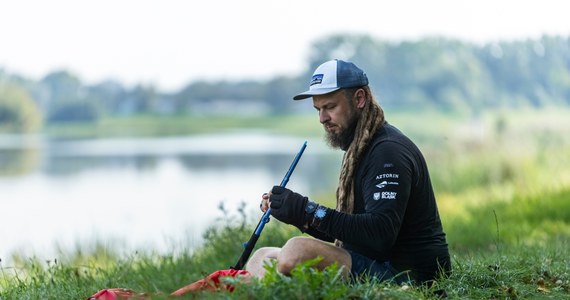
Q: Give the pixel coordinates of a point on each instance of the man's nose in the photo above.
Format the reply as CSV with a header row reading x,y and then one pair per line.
x,y
324,117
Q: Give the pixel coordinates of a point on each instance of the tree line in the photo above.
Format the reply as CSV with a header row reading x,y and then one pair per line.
x,y
430,73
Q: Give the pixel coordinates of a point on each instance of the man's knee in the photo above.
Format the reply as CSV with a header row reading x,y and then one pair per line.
x,y
295,251
256,263
267,252
262,255
299,242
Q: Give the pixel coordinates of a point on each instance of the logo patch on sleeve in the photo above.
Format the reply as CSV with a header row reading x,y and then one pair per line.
x,y
385,196
385,183
382,184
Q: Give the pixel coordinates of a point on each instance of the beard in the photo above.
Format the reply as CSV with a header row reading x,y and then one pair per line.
x,y
342,139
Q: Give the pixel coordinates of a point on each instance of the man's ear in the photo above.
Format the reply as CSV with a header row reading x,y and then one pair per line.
x,y
360,98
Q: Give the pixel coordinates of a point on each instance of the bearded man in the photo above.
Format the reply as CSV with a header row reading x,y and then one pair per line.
x,y
386,223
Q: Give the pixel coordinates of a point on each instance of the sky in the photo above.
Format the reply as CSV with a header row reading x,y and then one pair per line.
x,y
170,43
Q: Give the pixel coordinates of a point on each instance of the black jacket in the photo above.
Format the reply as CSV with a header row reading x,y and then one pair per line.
x,y
395,213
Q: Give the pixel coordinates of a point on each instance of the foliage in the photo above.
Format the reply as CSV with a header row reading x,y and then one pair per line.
x,y
514,272
305,282
521,222
428,74
451,75
18,112
18,162
74,112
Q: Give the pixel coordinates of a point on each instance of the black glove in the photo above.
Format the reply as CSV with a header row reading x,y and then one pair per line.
x,y
289,207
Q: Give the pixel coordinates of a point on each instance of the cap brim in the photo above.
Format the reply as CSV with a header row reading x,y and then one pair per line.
x,y
314,92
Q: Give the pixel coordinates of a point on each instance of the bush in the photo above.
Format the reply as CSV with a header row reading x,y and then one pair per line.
x,y
18,112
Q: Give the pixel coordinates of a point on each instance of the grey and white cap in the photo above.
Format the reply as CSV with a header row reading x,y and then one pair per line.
x,y
334,75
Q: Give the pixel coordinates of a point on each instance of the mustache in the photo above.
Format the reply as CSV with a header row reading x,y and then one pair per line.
x,y
329,124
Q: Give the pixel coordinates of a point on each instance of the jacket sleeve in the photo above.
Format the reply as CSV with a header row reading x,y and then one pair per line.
x,y
319,235
386,184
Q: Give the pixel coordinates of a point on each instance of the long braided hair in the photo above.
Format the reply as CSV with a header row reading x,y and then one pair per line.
x,y
371,119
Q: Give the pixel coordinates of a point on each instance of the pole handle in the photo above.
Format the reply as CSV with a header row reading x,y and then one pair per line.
x,y
249,245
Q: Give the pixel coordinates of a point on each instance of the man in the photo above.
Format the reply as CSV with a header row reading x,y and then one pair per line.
x,y
386,223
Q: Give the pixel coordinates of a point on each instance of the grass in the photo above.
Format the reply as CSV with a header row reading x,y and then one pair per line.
x,y
507,270
502,182
499,251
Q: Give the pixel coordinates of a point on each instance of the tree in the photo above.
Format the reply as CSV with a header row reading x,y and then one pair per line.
x,y
18,112
74,112
63,87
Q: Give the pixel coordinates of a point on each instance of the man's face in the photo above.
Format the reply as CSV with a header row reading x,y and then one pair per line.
x,y
339,117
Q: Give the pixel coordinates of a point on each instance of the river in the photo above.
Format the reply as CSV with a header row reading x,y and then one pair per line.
x,y
151,194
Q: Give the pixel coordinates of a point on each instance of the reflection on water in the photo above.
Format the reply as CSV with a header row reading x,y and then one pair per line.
x,y
18,161
146,193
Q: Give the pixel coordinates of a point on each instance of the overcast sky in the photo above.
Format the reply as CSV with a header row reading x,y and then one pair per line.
x,y
171,42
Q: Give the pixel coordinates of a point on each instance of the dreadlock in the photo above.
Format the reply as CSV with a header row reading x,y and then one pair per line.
x,y
371,119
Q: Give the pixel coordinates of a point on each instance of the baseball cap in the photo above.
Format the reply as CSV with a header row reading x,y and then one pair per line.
x,y
334,75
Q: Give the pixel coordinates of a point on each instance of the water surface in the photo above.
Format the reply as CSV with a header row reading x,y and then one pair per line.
x,y
142,194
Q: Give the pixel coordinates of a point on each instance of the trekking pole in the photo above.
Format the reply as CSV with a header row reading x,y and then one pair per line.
x,y
255,236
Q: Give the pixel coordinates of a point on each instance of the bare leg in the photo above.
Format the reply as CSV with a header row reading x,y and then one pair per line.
x,y
259,258
300,249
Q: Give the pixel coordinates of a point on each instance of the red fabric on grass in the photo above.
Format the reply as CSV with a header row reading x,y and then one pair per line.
x,y
211,283
118,294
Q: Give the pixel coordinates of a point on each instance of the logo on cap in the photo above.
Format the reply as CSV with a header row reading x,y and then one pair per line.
x,y
317,79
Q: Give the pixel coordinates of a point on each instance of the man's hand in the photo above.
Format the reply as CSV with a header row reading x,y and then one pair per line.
x,y
289,207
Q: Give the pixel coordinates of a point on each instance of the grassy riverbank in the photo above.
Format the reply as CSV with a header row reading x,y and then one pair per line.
x,y
503,186
502,270
149,126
